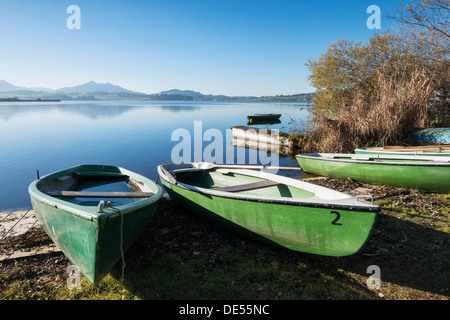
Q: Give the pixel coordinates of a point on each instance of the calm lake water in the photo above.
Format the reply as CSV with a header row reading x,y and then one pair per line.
x,y
135,135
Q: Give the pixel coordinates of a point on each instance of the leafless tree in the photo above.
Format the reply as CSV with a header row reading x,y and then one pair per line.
x,y
432,15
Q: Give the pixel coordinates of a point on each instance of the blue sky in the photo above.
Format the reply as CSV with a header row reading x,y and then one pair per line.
x,y
231,47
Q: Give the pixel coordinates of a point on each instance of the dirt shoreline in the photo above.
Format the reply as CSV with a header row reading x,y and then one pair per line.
x,y
32,256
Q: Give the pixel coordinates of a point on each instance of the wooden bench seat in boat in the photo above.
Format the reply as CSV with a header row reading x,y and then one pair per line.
x,y
249,186
88,194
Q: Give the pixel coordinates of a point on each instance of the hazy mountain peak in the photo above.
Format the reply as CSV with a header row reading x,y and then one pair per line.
x,y
189,93
6,86
92,86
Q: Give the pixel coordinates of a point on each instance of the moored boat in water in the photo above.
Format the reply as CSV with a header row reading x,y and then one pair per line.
x,y
261,118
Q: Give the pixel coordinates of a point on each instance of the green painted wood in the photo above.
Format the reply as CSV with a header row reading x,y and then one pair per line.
x,y
91,239
303,225
248,186
87,194
423,173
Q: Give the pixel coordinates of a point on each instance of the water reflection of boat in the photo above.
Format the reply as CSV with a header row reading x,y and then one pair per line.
x,y
261,139
263,117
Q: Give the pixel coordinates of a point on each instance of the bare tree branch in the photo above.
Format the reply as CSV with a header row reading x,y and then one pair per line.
x,y
432,15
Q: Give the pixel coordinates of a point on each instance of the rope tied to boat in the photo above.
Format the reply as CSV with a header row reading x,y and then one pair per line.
x,y
108,204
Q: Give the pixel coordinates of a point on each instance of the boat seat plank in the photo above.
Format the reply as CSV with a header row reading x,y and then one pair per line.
x,y
88,194
249,186
101,174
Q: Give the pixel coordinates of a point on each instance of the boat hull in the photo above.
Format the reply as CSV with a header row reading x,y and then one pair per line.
x,y
262,118
92,241
436,135
322,230
406,174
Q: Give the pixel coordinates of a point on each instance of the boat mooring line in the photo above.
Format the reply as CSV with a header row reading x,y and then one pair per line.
x,y
7,215
109,205
4,235
32,226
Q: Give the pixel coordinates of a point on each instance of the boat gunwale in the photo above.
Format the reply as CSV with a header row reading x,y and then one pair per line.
x,y
425,161
264,115
77,210
432,152
358,205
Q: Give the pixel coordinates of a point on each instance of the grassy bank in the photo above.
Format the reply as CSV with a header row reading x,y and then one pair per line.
x,y
181,257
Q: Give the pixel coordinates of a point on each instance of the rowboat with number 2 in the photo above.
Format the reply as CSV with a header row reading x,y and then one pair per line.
x,y
274,209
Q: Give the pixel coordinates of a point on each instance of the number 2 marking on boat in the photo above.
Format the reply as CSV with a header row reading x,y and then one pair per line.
x,y
335,221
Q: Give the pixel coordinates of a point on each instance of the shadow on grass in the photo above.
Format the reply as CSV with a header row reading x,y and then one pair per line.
x,y
182,257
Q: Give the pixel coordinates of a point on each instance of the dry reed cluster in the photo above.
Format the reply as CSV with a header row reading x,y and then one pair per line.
x,y
395,103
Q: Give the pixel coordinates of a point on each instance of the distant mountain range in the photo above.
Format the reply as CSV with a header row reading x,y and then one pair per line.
x,y
107,91
90,87
8,87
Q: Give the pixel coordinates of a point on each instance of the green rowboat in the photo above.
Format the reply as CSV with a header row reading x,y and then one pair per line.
x,y
434,151
94,213
273,209
424,173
